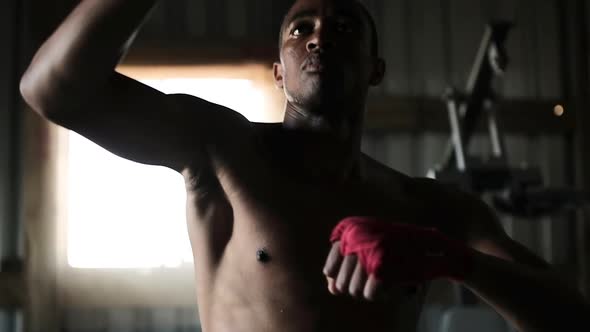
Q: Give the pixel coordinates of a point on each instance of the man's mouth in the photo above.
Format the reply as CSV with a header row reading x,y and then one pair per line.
x,y
314,64
315,68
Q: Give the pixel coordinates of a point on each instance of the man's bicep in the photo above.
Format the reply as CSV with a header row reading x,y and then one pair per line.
x,y
492,239
523,255
139,123
484,231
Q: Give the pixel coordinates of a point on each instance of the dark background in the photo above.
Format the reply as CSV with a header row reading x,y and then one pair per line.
x,y
428,45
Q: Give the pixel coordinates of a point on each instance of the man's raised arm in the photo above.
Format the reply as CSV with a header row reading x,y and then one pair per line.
x,y
72,82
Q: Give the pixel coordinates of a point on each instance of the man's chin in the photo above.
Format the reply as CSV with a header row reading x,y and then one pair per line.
x,y
324,95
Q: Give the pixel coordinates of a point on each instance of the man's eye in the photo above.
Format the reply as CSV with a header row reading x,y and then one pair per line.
x,y
343,27
301,29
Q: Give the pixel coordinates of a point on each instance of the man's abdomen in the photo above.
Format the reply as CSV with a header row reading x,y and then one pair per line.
x,y
287,291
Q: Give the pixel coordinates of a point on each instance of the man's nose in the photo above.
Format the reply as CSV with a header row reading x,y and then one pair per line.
x,y
321,40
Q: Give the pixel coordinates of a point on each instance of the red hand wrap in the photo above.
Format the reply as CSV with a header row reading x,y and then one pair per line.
x,y
403,253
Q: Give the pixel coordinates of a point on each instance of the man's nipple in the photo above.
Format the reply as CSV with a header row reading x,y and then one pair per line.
x,y
262,256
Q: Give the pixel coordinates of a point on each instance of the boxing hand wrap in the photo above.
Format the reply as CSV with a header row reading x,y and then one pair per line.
x,y
402,253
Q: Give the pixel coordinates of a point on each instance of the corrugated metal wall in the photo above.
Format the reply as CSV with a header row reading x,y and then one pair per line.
x,y
9,131
132,320
10,32
428,46
431,44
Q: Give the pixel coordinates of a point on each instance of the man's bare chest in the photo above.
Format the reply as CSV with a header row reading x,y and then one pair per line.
x,y
293,222
274,205
278,248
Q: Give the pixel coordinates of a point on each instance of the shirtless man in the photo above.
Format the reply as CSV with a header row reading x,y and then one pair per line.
x,y
265,201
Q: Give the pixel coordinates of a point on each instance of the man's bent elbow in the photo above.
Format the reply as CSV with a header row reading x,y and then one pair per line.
x,y
42,94
29,92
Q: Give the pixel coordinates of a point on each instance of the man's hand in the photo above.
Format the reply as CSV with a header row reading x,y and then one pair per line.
x,y
369,256
345,274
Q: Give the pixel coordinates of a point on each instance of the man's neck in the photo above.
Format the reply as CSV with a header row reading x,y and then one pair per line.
x,y
324,148
343,122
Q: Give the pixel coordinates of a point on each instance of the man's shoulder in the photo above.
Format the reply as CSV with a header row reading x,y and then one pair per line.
x,y
428,191
267,132
378,174
460,214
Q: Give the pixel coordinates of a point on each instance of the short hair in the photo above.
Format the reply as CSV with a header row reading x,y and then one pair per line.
x,y
368,17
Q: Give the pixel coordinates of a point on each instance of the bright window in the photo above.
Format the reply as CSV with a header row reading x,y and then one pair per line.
x,y
126,215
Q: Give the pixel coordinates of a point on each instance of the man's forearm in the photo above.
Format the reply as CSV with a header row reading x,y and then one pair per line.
x,y
82,53
531,299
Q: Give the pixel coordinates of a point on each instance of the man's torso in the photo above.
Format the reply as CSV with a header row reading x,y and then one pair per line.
x,y
255,202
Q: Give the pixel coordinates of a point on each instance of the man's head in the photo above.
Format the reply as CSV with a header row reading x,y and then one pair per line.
x,y
367,16
328,59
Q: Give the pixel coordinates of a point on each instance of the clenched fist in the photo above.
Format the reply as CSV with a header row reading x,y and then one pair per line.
x,y
369,255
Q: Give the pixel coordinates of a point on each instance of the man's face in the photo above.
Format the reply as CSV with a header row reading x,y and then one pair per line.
x,y
326,54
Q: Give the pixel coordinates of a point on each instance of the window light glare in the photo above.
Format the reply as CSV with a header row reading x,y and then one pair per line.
x,y
123,214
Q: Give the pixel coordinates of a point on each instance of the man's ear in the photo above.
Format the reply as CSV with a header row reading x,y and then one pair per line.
x,y
378,72
277,70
